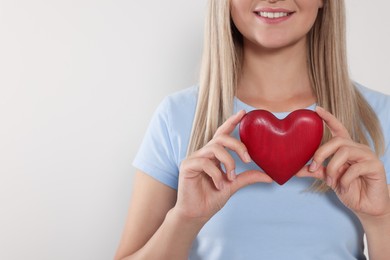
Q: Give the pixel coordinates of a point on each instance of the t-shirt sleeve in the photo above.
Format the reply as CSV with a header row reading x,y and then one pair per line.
x,y
386,162
385,121
380,103
156,156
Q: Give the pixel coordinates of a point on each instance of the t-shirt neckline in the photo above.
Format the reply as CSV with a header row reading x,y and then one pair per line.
x,y
242,105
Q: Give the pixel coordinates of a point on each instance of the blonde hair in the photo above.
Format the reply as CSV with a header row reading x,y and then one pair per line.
x,y
328,71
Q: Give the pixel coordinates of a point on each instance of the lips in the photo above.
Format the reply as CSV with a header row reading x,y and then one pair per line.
x,y
270,13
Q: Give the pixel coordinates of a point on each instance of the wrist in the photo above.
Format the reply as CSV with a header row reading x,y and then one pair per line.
x,y
377,229
180,218
374,223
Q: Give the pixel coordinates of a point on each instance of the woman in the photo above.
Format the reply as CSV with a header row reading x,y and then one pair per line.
x,y
279,56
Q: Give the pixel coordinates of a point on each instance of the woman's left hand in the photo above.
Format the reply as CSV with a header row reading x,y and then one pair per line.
x,y
354,171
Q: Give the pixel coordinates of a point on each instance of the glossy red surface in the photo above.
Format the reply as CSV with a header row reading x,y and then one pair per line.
x,y
281,147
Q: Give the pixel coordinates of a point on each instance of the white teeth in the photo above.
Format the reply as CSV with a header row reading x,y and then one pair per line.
x,y
272,15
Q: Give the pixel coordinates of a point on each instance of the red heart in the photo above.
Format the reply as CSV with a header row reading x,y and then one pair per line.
x,y
281,147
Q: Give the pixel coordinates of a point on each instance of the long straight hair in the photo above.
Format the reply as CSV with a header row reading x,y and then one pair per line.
x,y
328,71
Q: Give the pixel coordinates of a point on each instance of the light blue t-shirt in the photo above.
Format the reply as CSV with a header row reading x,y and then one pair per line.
x,y
260,221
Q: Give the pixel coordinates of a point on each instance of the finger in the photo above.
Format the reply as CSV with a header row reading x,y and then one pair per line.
x,y
320,173
215,173
216,151
366,170
342,161
334,125
192,168
234,145
230,124
338,165
328,149
249,177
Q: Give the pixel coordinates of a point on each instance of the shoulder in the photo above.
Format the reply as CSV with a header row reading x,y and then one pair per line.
x,y
183,99
179,106
165,141
176,113
380,103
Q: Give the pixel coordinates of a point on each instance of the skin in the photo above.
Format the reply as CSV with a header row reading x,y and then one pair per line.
x,y
275,73
203,190
358,178
268,37
162,223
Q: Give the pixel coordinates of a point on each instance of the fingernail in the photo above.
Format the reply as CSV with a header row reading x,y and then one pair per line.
x,y
329,181
313,166
239,112
247,157
233,175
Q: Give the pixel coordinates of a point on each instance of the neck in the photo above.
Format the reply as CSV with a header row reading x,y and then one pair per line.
x,y
276,80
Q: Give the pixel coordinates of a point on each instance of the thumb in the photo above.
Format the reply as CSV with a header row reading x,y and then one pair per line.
x,y
249,177
320,173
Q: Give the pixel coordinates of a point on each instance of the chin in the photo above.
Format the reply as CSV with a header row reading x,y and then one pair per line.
x,y
274,45
277,44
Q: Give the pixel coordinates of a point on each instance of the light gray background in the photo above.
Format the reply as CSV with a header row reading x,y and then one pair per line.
x,y
79,81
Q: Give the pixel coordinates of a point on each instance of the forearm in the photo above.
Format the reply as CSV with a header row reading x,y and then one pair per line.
x,y
377,231
173,240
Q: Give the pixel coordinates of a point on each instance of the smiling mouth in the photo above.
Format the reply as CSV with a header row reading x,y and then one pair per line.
x,y
273,15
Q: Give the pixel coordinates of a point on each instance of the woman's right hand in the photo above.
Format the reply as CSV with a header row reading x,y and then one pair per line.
x,y
203,186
